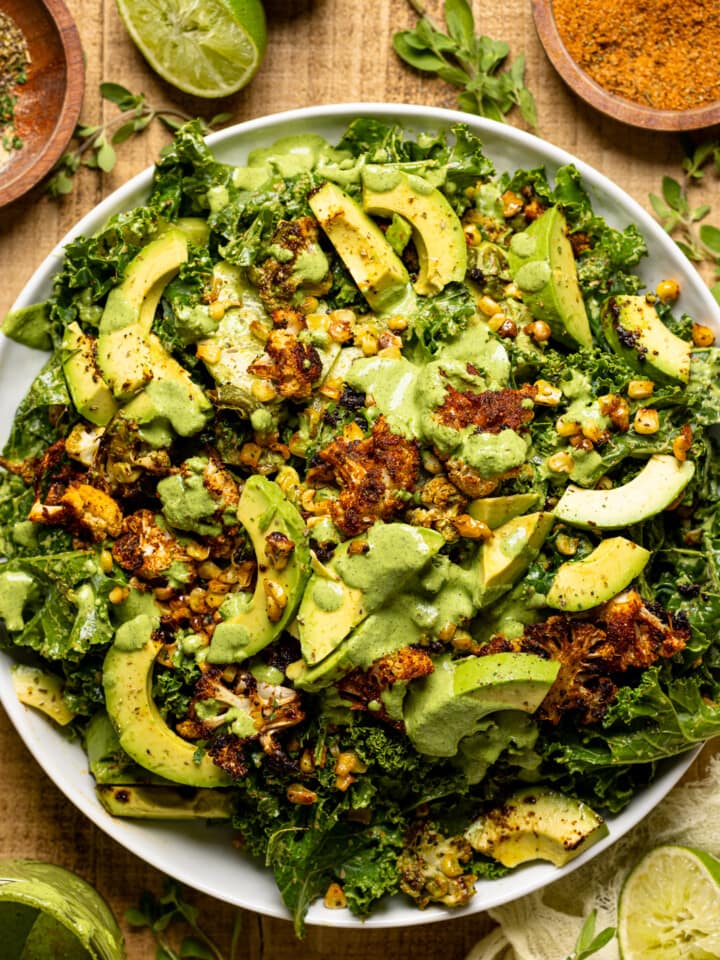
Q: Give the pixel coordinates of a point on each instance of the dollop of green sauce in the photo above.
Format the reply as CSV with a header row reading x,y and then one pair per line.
x,y
186,502
533,276
523,244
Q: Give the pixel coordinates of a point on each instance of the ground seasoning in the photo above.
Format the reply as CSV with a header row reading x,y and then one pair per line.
x,y
660,53
14,59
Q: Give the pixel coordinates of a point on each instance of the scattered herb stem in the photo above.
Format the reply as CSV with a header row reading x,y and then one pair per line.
x,y
169,916
700,242
588,942
474,63
94,146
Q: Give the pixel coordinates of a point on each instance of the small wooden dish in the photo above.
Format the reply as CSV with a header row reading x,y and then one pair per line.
x,y
48,105
591,92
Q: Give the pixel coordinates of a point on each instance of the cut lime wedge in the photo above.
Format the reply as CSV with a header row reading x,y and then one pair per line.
x,y
670,907
209,48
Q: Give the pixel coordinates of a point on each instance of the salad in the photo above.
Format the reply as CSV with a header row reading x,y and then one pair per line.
x,y
367,501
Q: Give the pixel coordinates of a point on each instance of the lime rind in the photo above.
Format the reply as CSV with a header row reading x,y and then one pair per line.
x,y
669,907
209,48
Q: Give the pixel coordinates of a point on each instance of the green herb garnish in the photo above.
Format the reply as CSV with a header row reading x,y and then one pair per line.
x,y
474,63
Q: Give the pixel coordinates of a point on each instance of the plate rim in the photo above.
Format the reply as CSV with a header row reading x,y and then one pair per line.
x,y
532,877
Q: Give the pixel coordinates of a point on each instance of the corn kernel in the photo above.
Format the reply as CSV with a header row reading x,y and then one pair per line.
x,y
593,432
488,306
566,545
513,291
309,304
106,561
496,321
216,310
473,236
473,529
368,343
275,600
640,389
208,351
307,761
118,594
397,323
561,462
668,291
538,330
647,421
197,551
348,762
342,323
682,443
335,898
702,336
250,454
263,390
297,793
214,600
512,203
567,428
546,394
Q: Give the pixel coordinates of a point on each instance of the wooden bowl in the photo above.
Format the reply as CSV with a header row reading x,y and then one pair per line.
x,y
619,108
48,105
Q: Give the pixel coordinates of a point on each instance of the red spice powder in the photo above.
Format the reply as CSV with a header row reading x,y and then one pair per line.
x,y
660,53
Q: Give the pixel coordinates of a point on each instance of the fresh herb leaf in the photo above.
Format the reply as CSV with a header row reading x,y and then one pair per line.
x,y
476,64
588,942
93,145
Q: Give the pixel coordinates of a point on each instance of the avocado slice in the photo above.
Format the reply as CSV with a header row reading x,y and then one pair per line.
x,y
142,731
542,265
373,264
251,622
495,511
659,483
635,332
92,397
506,556
436,229
107,760
37,688
612,566
356,582
446,706
536,823
164,803
157,262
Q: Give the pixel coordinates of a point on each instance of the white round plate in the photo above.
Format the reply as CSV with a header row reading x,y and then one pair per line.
x,y
204,858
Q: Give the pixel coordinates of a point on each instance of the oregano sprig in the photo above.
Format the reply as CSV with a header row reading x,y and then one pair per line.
x,y
93,146
588,942
700,242
474,63
161,913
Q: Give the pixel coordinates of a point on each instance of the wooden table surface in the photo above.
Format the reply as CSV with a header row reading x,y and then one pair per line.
x,y
319,51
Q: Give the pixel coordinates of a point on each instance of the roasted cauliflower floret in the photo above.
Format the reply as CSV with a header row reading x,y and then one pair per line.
x,y
490,411
374,474
624,634
242,708
289,363
298,264
432,868
145,548
83,443
82,508
363,689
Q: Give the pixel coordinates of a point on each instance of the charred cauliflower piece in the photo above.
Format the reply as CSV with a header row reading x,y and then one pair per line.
x,y
145,548
624,634
82,508
373,473
297,265
432,868
232,713
290,364
363,688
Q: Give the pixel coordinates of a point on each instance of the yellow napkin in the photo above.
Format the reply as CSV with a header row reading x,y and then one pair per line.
x,y
545,925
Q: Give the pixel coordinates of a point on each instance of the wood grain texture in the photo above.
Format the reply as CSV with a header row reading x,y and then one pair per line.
x,y
319,51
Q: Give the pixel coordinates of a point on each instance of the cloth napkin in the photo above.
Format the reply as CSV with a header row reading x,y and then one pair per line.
x,y
544,925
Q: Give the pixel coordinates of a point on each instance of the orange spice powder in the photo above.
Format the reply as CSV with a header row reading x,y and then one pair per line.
x,y
660,53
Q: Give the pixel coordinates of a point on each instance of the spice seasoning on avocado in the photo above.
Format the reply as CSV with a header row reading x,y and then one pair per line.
x,y
660,53
14,59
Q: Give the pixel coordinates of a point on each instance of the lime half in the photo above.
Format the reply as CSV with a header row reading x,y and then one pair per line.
x,y
670,907
209,48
